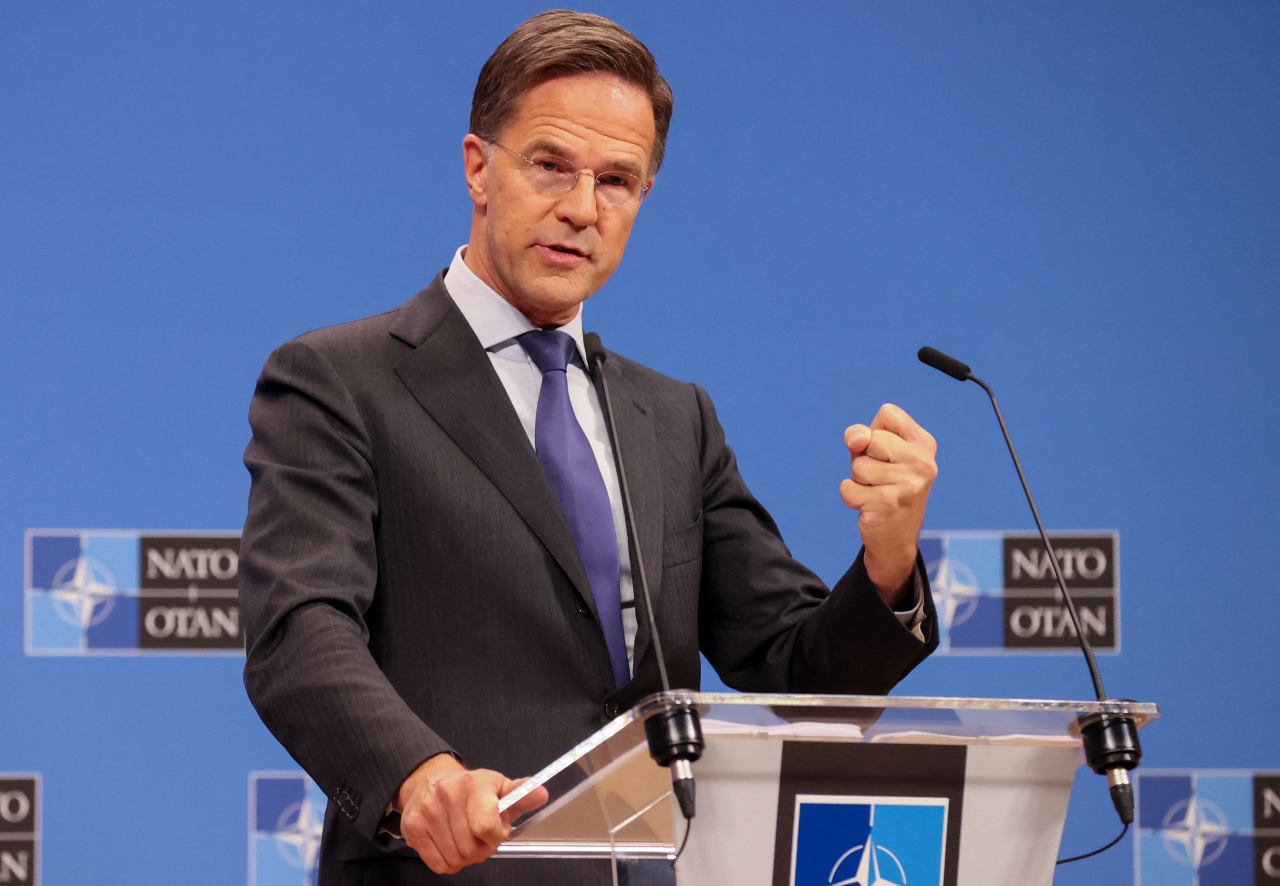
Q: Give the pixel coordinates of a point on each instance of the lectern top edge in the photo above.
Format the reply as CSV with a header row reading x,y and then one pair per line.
x,y
1144,711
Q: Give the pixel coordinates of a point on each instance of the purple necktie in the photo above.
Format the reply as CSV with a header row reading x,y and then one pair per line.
x,y
570,463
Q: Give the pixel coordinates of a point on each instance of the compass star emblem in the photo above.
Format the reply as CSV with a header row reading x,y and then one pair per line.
x,y
83,592
869,871
956,589
297,835
1195,832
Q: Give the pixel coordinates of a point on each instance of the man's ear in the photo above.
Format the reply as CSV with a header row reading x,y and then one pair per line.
x,y
475,167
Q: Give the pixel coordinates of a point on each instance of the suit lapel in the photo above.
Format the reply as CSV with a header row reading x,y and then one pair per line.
x,y
450,375
638,450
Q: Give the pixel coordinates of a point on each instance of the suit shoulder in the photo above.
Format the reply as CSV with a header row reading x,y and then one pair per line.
x,y
381,337
354,334
352,349
656,384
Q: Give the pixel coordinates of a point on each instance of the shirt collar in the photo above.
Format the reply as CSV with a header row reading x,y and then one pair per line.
x,y
495,321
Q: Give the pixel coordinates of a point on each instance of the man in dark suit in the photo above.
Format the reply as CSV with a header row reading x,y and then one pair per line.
x,y
436,578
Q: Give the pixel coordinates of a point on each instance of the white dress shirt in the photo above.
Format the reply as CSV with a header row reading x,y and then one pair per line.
x,y
497,323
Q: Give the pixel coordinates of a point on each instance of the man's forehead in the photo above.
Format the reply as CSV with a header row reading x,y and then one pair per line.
x,y
586,113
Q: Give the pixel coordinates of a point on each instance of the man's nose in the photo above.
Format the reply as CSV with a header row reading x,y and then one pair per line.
x,y
578,205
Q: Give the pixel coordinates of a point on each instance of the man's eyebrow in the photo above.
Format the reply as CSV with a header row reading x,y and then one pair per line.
x,y
545,145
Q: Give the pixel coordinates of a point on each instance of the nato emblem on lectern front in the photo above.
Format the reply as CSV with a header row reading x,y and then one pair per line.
x,y
868,841
129,592
1207,827
286,818
996,592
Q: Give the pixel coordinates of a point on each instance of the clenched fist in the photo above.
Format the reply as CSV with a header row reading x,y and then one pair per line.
x,y
892,470
449,814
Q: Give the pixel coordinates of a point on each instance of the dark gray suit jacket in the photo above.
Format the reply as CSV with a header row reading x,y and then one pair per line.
x,y
409,584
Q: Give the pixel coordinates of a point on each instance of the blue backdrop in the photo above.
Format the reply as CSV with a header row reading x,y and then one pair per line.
x,y
1079,199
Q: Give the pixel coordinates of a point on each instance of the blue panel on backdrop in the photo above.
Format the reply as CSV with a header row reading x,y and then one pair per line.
x,y
50,553
1159,795
119,629
49,629
118,553
1156,867
1232,795
1232,866
982,628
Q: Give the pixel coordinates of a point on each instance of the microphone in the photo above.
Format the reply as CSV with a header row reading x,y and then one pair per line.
x,y
941,362
1110,741
675,734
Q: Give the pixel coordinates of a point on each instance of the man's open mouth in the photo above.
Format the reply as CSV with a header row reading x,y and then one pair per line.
x,y
566,250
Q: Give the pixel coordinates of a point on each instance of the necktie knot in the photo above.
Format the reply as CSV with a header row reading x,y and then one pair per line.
x,y
549,348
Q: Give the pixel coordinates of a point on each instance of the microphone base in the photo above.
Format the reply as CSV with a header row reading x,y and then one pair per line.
x,y
674,734
675,741
1110,742
1111,748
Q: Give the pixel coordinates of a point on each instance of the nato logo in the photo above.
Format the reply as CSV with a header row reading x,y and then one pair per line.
x,y
1207,827
19,827
286,819
996,591
124,592
868,841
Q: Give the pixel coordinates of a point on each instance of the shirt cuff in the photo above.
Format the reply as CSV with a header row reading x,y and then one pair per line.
x,y
390,824
913,618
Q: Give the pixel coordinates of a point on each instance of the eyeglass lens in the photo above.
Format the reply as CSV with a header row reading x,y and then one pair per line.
x,y
554,174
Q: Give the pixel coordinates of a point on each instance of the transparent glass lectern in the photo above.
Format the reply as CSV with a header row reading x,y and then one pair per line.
x,y
1001,769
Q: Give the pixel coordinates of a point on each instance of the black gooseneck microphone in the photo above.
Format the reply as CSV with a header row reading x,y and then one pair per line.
x,y
675,735
1110,741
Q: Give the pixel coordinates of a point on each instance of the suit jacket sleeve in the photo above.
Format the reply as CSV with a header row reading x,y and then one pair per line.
x,y
308,569
768,624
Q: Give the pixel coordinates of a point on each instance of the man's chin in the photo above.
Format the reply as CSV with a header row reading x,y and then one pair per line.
x,y
555,296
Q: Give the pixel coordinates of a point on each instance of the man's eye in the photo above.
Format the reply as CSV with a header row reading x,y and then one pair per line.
x,y
547,165
614,181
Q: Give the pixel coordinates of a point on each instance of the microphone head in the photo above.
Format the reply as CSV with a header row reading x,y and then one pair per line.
x,y
939,361
595,350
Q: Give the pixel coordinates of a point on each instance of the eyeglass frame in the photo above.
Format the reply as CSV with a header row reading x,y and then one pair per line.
x,y
577,174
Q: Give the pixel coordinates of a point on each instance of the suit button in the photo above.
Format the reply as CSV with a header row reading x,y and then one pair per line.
x,y
611,709
583,608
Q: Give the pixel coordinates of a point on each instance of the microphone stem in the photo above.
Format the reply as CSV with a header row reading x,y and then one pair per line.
x,y
627,514
1048,546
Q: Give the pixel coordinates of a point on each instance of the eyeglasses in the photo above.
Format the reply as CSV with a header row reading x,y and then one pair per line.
x,y
552,173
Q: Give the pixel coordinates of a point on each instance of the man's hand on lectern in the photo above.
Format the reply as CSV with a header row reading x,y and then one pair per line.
x,y
892,470
449,814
